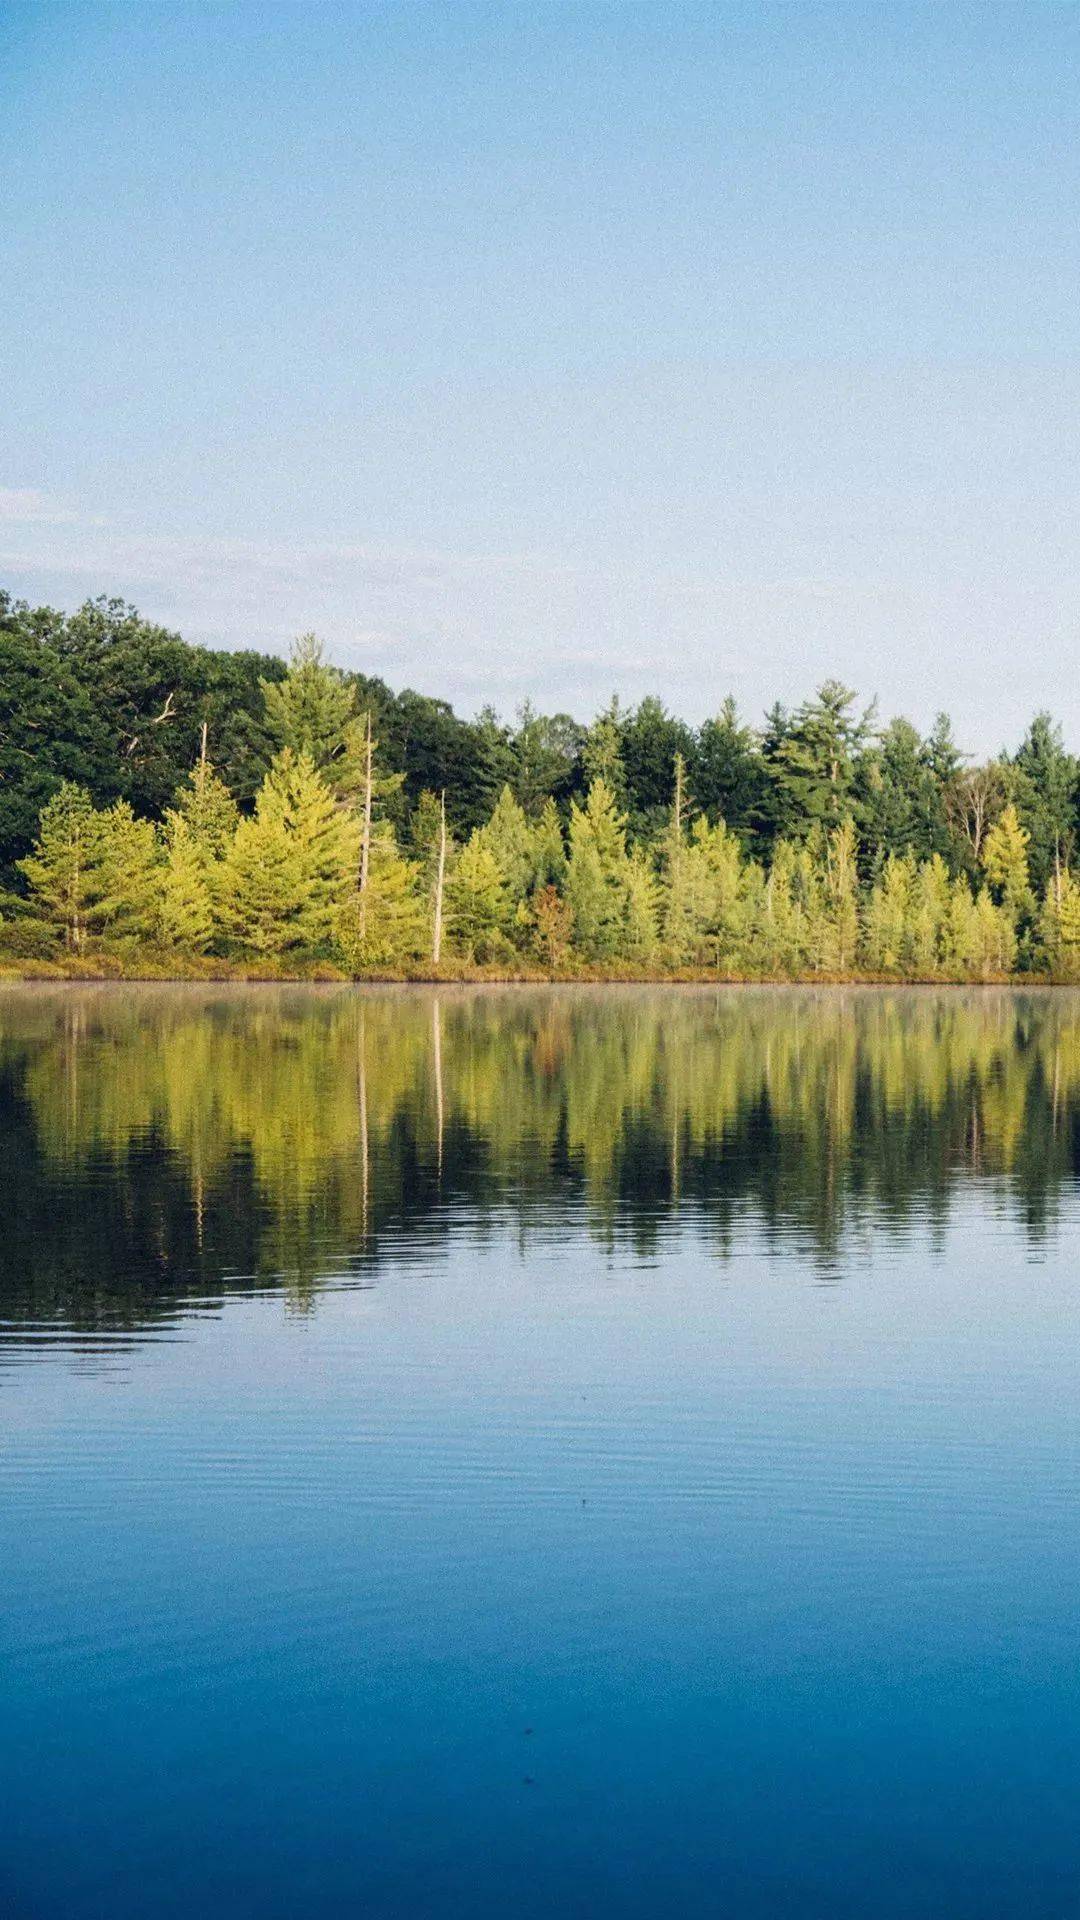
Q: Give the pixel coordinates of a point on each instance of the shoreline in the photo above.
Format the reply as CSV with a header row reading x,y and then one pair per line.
x,y
109,970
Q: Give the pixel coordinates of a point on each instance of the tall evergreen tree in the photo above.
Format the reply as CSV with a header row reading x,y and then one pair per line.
x,y
601,753
1005,862
185,906
900,800
93,873
512,842
208,811
309,851
650,742
546,749
262,891
62,868
1043,780
726,772
815,760
314,711
549,846
477,901
596,875
389,926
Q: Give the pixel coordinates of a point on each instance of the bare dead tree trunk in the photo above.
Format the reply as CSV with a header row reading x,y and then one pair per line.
x,y
76,923
436,1036
365,838
361,1075
202,745
440,876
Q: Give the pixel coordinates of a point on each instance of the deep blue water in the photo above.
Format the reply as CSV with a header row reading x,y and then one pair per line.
x,y
595,1454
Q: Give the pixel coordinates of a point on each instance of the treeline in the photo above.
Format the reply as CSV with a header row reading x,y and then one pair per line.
x,y
156,797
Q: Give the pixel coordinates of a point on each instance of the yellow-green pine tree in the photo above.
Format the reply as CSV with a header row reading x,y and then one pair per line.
x,y
642,908
392,928
1005,863
60,869
326,840
478,905
186,914
596,874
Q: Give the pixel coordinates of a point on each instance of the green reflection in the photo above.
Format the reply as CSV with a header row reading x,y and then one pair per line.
x,y
158,1144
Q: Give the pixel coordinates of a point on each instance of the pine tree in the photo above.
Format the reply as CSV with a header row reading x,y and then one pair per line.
x,y
327,840
781,937
841,897
726,771
512,841
61,867
596,875
545,748
639,938
310,848
477,902
601,753
961,944
94,872
208,810
716,905
888,920
375,787
1066,892
1043,779
391,929
676,914
814,762
129,875
995,937
549,847
186,915
980,938
314,711
929,914
1004,859
1059,925
261,890
553,926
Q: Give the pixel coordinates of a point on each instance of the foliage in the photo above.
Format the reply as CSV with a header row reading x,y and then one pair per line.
x,y
283,880
186,907
597,874
387,925
227,805
92,872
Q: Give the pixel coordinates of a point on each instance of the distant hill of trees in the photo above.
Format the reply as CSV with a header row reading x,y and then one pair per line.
x,y
156,795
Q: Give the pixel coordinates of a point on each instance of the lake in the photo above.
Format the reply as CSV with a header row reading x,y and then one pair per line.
x,y
516,1452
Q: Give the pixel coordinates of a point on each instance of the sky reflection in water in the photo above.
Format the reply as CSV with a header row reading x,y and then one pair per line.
x,y
576,1450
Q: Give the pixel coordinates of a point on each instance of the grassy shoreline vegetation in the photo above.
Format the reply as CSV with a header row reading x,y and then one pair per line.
x,y
167,812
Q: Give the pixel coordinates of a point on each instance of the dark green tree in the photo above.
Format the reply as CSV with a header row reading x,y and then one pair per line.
x,y
726,773
650,739
1043,779
546,750
815,760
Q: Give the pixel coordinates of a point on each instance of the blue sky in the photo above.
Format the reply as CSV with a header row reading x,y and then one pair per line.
x,y
553,350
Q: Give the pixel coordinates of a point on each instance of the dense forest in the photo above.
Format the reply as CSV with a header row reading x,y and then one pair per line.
x,y
168,807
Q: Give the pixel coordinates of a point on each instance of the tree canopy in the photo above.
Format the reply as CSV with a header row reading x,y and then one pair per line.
x,y
234,803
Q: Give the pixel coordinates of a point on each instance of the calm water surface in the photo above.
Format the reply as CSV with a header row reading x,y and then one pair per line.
x,y
517,1453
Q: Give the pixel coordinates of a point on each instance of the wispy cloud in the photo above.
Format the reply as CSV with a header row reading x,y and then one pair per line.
x,y
499,626
29,506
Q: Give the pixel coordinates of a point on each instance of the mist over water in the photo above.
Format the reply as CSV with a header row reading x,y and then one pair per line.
x,y
585,1450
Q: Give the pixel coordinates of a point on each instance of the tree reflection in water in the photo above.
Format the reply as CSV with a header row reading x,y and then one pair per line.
x,y
166,1146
